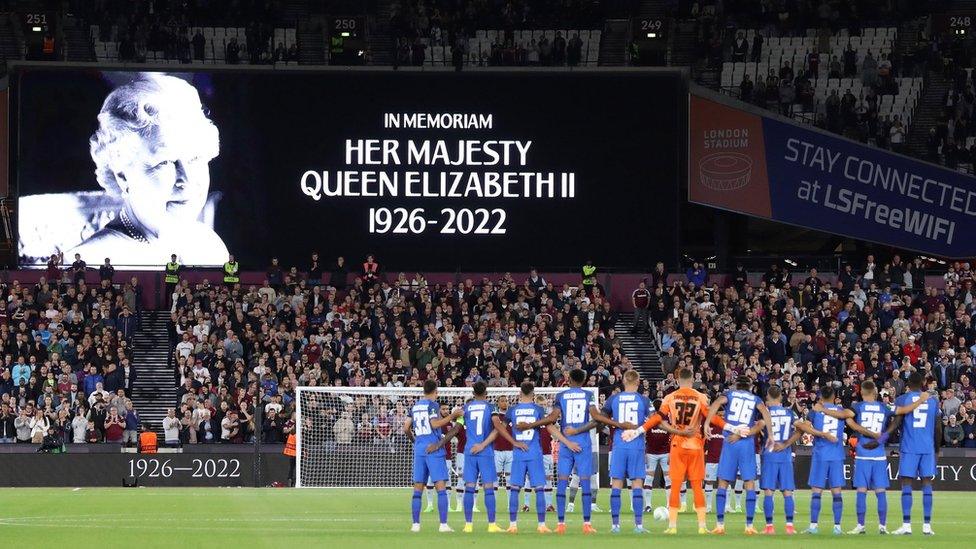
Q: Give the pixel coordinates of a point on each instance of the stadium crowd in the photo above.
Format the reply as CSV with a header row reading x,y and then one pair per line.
x,y
67,370
878,320
146,25
239,347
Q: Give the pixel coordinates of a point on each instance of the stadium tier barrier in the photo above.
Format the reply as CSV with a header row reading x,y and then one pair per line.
x,y
225,465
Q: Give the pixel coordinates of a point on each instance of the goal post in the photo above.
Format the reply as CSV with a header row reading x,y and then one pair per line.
x,y
353,436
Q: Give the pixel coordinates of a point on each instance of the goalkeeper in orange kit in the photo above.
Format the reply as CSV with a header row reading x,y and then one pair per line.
x,y
684,410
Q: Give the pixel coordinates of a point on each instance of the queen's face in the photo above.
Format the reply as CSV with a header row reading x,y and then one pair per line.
x,y
167,178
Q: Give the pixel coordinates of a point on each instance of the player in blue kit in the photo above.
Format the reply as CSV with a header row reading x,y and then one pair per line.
x,y
920,433
626,410
481,426
573,409
739,448
527,462
827,463
777,462
870,418
424,426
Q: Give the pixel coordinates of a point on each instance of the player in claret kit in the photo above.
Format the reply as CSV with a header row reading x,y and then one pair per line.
x,y
684,410
713,454
658,449
739,448
482,426
527,462
777,461
870,418
573,409
424,426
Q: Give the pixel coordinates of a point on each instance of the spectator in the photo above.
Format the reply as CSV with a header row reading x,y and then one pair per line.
x,y
953,433
106,272
171,429
114,426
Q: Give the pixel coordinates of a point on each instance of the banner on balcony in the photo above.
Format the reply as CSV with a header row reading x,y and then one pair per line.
x,y
767,167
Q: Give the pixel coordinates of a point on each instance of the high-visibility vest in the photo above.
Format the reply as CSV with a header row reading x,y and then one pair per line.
x,y
147,442
230,273
588,275
290,446
172,273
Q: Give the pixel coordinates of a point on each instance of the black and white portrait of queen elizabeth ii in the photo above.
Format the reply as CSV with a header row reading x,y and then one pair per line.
x,y
152,153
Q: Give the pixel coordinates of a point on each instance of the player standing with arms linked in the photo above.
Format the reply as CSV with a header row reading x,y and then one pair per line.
x,y
684,409
573,409
827,463
481,427
739,447
527,462
629,409
777,462
869,418
919,435
424,427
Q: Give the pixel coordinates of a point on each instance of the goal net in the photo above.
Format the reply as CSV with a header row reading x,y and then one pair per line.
x,y
354,437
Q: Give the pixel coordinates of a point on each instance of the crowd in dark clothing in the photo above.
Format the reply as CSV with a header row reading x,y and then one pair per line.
x,y
878,321
245,346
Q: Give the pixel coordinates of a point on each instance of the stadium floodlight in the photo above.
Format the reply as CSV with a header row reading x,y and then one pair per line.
x,y
353,436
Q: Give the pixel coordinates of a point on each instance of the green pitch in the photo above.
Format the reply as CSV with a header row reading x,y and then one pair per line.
x,y
245,517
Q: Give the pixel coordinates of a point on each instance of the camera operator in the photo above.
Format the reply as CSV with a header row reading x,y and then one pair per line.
x,y
52,443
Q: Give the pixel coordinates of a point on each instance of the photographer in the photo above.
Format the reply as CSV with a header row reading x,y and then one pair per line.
x,y
51,443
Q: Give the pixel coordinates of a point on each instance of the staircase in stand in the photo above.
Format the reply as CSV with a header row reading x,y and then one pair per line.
x,y
613,43
380,37
311,45
684,40
155,386
77,42
642,349
11,47
930,109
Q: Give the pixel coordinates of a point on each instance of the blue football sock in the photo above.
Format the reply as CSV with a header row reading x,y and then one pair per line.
x,y
587,498
513,504
815,508
750,507
615,506
927,503
415,506
906,504
882,507
768,508
490,504
720,495
789,507
468,503
838,509
862,507
442,505
540,504
561,500
637,500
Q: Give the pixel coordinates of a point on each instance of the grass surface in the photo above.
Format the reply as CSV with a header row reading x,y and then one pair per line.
x,y
245,517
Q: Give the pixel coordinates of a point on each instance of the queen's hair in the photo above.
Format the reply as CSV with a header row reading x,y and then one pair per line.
x,y
135,111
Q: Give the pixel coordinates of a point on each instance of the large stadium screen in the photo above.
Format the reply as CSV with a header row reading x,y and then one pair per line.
x,y
474,170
